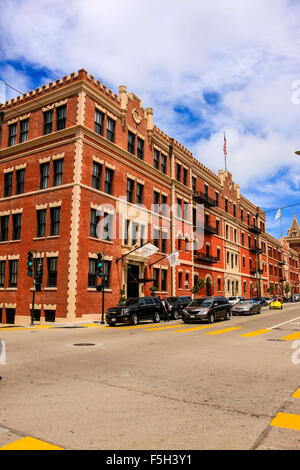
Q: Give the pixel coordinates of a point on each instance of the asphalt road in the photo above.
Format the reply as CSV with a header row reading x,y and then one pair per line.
x,y
155,386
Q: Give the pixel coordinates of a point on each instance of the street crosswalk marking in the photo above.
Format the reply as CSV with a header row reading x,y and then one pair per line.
x,y
167,327
296,394
30,443
254,333
292,336
130,327
226,330
202,327
287,421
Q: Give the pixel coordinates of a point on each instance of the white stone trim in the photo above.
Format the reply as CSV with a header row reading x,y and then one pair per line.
x,y
108,258
3,257
52,254
17,211
44,160
21,167
3,213
58,156
10,305
41,206
109,165
13,257
8,170
98,160
55,204
36,306
49,306
132,177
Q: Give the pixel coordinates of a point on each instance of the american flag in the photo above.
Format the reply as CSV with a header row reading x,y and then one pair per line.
x,y
224,146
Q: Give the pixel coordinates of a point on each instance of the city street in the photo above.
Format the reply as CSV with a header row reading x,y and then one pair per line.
x,y
155,386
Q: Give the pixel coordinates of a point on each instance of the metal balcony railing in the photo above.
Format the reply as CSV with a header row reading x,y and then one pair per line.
x,y
203,198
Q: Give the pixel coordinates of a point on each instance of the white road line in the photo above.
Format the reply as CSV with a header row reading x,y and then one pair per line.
x,y
284,323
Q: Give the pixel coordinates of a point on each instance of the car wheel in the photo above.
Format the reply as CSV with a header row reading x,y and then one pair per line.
x,y
134,319
227,316
211,318
185,321
175,315
111,324
156,318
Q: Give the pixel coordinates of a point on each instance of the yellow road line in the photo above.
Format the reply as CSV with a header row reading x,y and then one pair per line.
x,y
30,443
165,327
286,420
296,394
254,333
219,332
90,325
3,330
292,336
136,326
40,326
203,327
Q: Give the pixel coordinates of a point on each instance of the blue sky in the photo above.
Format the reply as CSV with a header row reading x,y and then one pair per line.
x,y
205,69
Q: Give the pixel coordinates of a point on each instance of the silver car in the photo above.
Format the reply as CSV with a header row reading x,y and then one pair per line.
x,y
246,307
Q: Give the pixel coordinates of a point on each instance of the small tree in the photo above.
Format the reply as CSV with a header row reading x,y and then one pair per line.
x,y
270,290
287,288
153,290
199,285
122,298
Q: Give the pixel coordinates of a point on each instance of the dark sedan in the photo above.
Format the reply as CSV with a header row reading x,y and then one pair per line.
x,y
246,307
207,308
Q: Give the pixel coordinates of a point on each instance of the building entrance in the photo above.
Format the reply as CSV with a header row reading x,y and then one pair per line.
x,y
132,280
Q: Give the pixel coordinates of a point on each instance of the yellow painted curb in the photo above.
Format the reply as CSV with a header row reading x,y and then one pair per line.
x,y
30,443
296,394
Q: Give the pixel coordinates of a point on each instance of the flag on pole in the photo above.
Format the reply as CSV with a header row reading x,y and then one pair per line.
x,y
225,145
278,215
147,250
173,258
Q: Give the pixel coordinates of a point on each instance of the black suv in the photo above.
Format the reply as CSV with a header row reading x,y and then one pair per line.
x,y
207,308
134,310
177,304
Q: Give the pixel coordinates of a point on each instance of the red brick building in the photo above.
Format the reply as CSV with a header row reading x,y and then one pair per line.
x,y
84,171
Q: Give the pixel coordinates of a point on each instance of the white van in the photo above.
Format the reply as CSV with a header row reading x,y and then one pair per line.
x,y
235,299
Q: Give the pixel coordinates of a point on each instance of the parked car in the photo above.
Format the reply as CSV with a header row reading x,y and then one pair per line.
x,y
135,309
177,304
262,301
295,298
246,307
275,304
235,299
207,308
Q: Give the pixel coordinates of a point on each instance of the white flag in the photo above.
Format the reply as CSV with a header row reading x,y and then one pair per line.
x,y
147,250
173,258
278,215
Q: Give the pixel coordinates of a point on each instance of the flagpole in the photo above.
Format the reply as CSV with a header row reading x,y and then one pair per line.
x,y
281,222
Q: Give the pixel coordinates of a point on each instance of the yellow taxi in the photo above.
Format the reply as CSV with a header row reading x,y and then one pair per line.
x,y
275,304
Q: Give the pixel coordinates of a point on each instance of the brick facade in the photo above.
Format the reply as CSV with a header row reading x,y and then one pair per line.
x,y
87,152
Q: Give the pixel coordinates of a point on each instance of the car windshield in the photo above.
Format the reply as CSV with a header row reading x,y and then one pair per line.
x,y
200,302
245,302
171,300
128,302
232,298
